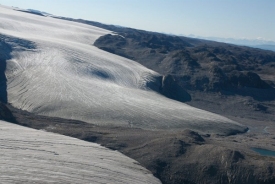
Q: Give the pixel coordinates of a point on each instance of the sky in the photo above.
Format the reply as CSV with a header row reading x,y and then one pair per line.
x,y
239,19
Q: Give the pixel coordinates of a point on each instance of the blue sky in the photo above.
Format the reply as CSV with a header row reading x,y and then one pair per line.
x,y
250,19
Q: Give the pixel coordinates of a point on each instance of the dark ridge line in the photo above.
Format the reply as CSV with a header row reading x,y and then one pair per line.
x,y
34,13
5,51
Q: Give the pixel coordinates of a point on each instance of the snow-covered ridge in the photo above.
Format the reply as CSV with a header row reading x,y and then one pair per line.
x,y
33,156
66,76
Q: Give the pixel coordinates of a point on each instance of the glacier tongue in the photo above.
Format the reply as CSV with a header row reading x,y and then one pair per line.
x,y
33,156
66,76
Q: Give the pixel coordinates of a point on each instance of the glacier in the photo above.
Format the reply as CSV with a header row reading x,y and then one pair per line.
x,y
35,156
56,71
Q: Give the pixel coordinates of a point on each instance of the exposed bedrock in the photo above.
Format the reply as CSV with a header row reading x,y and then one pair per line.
x,y
203,65
5,51
5,113
169,87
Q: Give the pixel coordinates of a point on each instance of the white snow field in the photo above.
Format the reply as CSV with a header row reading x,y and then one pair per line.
x,y
58,72
33,156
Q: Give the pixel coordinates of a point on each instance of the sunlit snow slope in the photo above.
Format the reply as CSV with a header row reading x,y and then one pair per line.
x,y
55,70
33,156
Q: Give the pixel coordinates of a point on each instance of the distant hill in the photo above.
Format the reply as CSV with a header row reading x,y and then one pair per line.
x,y
266,47
35,12
256,43
216,66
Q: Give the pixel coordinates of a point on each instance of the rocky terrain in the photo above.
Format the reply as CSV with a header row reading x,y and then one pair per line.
x,y
230,80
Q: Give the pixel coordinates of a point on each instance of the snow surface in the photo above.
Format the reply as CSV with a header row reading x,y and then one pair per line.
x,y
33,156
59,72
